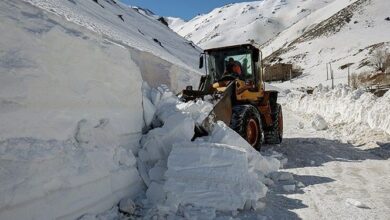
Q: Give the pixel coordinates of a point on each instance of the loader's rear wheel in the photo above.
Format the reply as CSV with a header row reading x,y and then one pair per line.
x,y
247,123
274,135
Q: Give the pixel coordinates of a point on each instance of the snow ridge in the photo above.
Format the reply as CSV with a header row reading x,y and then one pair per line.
x,y
343,105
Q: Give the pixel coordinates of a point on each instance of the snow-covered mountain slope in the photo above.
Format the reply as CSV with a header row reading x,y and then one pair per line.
x,y
133,27
71,103
175,23
308,34
343,37
239,23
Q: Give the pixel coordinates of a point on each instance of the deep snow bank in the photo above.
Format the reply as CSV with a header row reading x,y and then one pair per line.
x,y
71,106
68,123
344,106
218,172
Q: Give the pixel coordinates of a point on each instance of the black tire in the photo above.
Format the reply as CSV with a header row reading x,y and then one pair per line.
x,y
243,119
274,135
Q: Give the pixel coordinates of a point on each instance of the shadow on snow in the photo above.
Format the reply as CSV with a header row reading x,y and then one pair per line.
x,y
312,152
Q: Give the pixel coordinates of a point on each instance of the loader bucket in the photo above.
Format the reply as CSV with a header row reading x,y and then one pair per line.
x,y
222,110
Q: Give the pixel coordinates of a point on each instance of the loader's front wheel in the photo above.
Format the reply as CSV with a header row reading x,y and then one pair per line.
x,y
246,122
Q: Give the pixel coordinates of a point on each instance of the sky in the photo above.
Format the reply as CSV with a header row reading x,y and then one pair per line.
x,y
185,9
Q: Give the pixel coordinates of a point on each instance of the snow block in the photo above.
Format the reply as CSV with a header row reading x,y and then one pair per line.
x,y
211,175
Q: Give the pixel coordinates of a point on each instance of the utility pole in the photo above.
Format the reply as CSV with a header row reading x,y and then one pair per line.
x,y
327,72
331,74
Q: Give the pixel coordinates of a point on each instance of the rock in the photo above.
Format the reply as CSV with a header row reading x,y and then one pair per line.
x,y
127,205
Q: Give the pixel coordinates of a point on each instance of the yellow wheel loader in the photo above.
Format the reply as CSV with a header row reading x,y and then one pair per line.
x,y
234,84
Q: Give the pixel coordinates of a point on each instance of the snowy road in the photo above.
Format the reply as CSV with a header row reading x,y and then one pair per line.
x,y
341,181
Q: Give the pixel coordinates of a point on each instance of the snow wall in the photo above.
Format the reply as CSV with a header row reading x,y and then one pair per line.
x,y
71,116
343,105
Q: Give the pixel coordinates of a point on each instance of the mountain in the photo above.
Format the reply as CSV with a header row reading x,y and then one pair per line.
x,y
256,21
174,23
347,38
306,33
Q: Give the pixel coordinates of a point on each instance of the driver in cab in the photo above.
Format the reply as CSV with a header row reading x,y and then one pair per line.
x,y
233,71
233,68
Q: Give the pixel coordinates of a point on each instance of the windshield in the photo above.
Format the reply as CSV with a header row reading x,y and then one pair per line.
x,y
237,63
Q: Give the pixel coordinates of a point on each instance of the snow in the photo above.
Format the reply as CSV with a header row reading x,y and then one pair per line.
x,y
331,38
240,23
220,172
72,110
79,136
356,203
330,175
175,23
319,123
149,39
322,173
309,34
355,108
137,30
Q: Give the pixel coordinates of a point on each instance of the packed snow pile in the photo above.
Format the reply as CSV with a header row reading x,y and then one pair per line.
x,y
217,172
343,105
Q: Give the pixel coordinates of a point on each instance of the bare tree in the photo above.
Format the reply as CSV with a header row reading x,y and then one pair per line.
x,y
380,59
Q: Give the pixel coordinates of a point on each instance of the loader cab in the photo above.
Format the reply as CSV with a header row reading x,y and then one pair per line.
x,y
247,58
